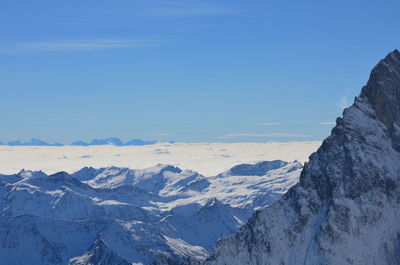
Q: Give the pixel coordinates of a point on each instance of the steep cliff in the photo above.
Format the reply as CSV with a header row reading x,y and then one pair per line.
x,y
346,207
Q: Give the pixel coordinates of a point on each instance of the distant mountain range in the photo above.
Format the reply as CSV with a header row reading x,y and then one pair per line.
x,y
108,141
113,141
161,215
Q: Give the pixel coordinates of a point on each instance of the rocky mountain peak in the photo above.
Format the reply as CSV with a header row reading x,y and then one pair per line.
x,y
362,150
383,89
345,207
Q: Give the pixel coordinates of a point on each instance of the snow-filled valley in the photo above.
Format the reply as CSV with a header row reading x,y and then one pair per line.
x,y
116,215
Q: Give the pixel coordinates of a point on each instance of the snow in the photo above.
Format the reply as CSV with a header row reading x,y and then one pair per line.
x,y
134,203
181,247
244,190
206,158
133,215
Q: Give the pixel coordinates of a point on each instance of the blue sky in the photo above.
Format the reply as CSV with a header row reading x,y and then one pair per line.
x,y
186,70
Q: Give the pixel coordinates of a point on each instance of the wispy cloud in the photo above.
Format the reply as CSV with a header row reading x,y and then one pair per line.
x,y
234,135
13,72
344,102
177,9
78,46
327,123
163,134
268,124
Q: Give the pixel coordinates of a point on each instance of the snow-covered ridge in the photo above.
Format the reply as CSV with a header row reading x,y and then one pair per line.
x,y
345,209
115,215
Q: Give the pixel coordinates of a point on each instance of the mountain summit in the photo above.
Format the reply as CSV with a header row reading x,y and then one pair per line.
x,y
383,94
345,209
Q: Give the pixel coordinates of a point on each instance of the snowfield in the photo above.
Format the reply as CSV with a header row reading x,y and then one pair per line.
x,y
208,159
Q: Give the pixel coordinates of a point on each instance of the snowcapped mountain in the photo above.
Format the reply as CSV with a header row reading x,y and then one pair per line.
x,y
345,209
159,215
161,179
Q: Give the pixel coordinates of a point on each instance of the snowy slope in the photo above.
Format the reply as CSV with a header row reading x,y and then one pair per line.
x,y
345,209
161,179
159,215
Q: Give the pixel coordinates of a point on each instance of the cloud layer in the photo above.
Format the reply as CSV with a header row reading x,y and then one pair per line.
x,y
79,45
268,124
234,135
327,123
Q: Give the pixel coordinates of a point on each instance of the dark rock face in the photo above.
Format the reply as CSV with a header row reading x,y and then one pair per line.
x,y
382,89
382,92
346,207
343,160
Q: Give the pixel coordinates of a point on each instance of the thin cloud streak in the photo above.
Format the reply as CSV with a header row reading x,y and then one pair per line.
x,y
77,46
234,135
327,123
178,9
13,72
268,124
163,134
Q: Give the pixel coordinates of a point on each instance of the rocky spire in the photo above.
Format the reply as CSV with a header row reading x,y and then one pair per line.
x,y
383,93
345,209
383,89
358,138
